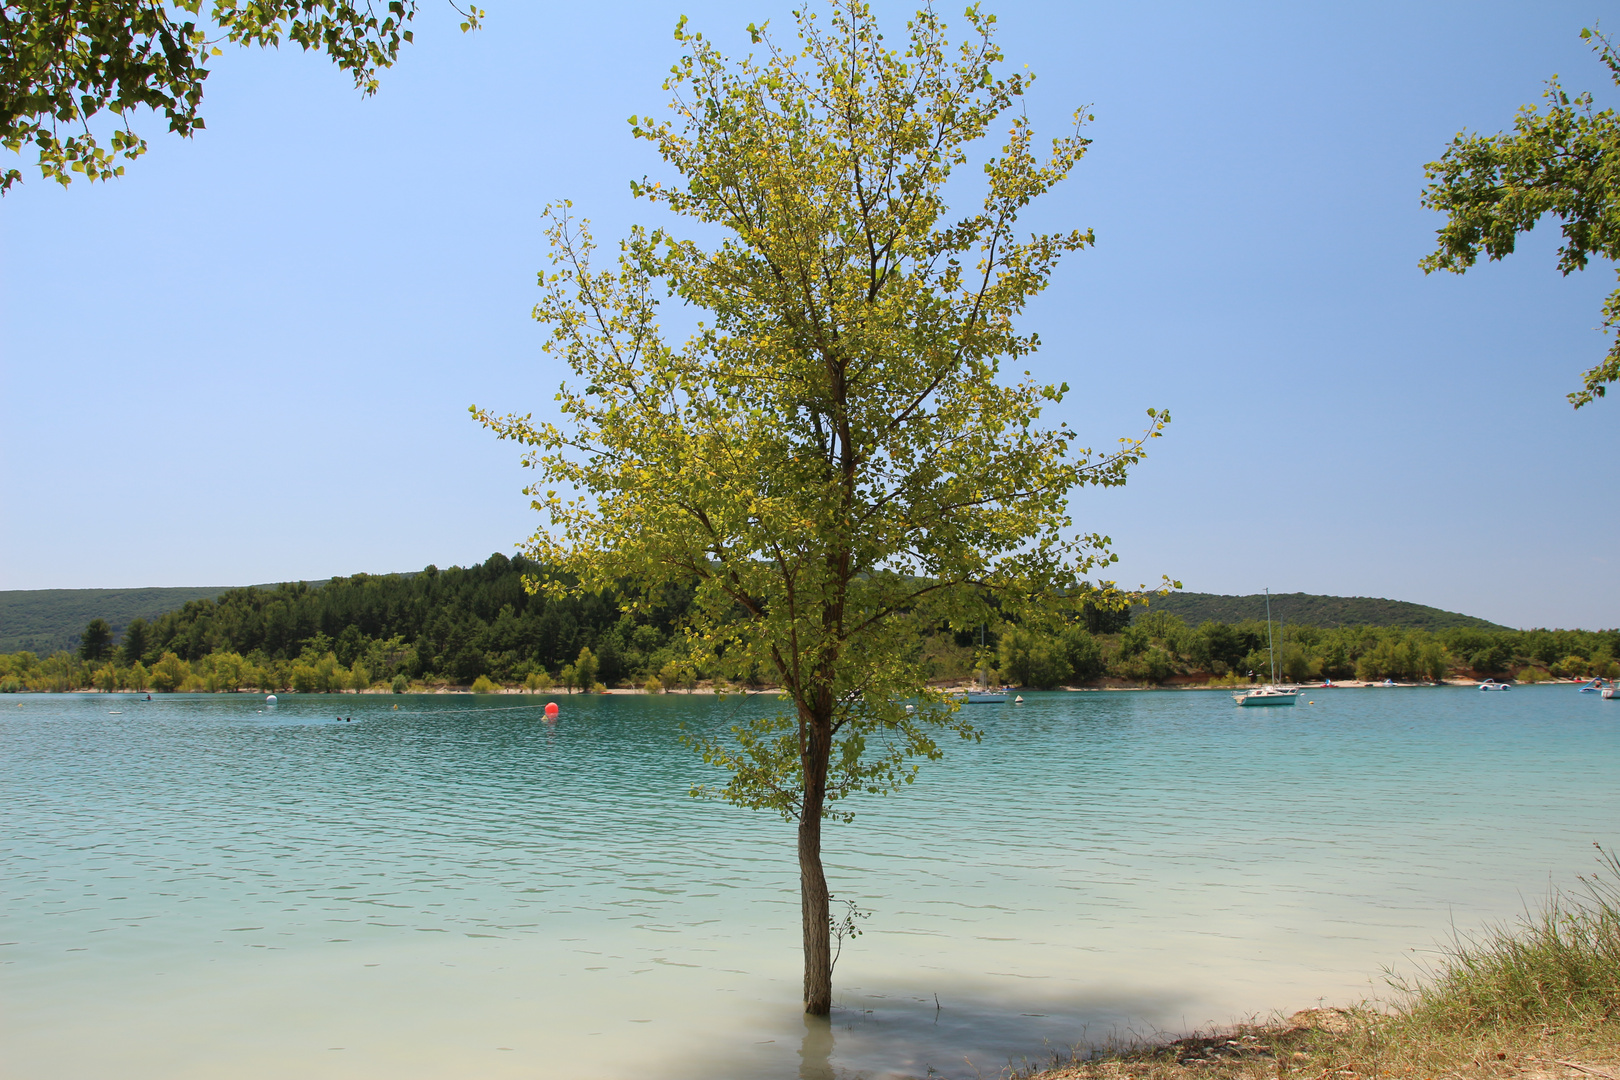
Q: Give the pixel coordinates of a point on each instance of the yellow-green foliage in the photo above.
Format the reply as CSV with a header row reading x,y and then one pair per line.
x,y
169,673
833,462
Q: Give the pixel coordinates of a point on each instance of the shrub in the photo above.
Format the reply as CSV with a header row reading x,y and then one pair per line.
x,y
586,670
482,685
1572,667
1296,665
1257,661
1033,659
399,685
1153,665
652,685
676,673
169,673
1132,642
1084,654
1491,661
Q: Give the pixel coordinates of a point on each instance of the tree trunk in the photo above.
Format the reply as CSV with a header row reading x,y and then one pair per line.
x,y
813,902
814,910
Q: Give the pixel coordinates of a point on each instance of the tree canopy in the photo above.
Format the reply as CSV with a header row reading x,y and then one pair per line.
x,y
96,641
1564,161
65,62
832,461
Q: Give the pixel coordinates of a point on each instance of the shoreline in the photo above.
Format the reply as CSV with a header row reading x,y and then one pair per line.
x,y
1345,684
1350,1043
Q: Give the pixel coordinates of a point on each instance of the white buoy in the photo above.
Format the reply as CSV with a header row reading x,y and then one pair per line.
x,y
271,700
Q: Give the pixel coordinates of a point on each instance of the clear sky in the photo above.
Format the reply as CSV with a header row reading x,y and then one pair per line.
x,y
250,359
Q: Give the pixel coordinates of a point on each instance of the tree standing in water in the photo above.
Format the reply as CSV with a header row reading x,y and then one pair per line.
x,y
831,459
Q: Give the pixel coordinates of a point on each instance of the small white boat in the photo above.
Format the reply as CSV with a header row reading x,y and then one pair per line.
x,y
984,695
1610,693
1492,684
1271,693
1268,695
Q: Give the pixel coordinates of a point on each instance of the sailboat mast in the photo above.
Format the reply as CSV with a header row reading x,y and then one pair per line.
x,y
1271,651
984,662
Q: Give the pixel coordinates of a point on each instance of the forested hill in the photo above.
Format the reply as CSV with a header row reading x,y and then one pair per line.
x,y
45,620
479,626
1306,609
457,624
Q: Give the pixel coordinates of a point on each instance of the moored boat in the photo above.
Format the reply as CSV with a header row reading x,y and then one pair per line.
x,y
1268,695
984,695
1492,684
1271,693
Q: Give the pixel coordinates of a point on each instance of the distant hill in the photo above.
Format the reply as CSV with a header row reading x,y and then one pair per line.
x,y
1306,609
45,620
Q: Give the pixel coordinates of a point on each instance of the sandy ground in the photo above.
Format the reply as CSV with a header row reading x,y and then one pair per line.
x,y
1345,1044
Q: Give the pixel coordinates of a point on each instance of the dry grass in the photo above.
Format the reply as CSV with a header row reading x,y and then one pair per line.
x,y
1361,1044
1537,999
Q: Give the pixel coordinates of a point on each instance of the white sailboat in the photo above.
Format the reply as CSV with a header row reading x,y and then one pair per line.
x,y
984,695
1272,693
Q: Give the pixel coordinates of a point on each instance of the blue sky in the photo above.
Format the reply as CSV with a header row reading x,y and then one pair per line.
x,y
251,358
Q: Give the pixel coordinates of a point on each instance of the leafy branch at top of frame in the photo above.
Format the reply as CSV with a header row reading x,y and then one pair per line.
x,y
65,63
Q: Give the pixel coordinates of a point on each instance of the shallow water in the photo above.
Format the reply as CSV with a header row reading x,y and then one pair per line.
x,y
200,887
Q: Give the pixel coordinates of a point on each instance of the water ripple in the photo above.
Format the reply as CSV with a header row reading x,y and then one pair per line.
x,y
201,886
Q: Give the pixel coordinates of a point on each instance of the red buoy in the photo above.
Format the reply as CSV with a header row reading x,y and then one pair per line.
x,y
551,710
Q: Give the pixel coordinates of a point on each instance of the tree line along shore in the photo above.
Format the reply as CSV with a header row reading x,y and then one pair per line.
x,y
479,627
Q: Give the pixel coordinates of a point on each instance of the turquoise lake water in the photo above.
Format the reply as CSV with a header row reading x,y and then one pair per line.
x,y
203,887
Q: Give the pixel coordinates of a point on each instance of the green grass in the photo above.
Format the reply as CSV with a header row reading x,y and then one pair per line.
x,y
1536,998
1559,965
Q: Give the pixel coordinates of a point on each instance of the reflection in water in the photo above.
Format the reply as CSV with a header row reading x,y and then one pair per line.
x,y
815,1053
197,888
